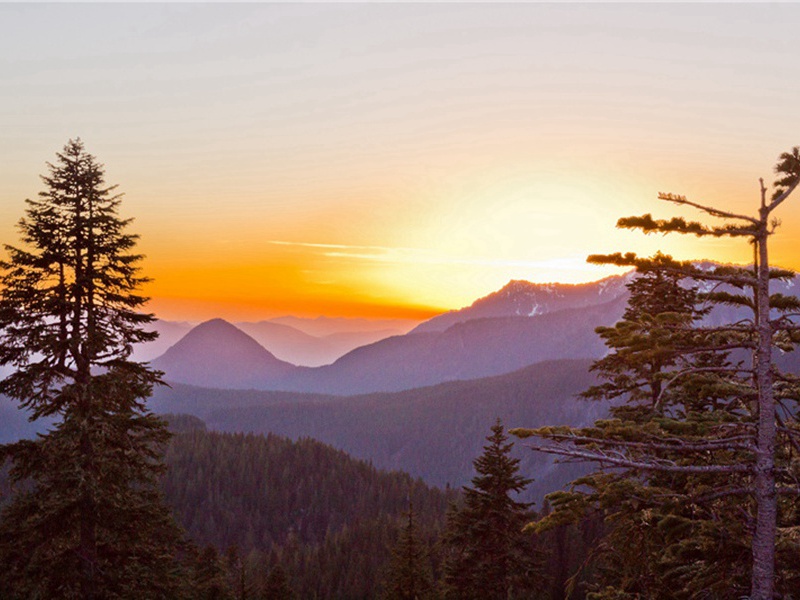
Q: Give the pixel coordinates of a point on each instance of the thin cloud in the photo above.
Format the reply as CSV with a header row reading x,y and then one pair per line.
x,y
401,255
337,246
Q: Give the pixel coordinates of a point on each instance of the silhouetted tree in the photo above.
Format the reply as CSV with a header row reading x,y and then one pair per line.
x,y
488,555
91,524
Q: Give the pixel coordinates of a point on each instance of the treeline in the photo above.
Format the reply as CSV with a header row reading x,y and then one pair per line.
x,y
328,521
266,517
266,514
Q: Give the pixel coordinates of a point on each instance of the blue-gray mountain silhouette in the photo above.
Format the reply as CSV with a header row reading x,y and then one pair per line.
x,y
216,354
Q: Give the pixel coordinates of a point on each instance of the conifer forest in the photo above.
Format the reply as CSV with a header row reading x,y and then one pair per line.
x,y
684,484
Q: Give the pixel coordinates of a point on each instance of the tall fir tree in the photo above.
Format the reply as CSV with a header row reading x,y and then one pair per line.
x,y
90,522
488,556
684,546
699,460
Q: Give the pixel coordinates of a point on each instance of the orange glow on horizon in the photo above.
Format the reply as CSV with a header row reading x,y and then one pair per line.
x,y
194,309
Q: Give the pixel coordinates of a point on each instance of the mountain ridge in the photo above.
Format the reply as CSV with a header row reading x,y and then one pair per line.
x,y
467,350
472,345
527,299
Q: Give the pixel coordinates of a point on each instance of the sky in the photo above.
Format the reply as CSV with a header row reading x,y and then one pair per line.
x,y
398,160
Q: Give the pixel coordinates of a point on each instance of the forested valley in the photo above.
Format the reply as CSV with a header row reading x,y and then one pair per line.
x,y
266,518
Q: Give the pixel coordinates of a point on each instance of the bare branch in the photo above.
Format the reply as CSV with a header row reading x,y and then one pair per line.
x,y
742,326
679,445
714,212
621,461
741,491
720,348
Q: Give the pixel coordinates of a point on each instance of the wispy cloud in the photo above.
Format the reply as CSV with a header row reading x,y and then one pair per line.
x,y
336,246
419,256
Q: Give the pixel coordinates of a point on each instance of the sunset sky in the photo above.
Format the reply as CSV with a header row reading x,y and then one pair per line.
x,y
397,160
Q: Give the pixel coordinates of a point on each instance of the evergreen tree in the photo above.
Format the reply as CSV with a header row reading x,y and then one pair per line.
x,y
647,365
645,346
91,523
409,576
699,457
488,554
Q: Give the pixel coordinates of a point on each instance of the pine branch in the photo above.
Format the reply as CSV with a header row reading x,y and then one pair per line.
x,y
783,196
680,225
692,371
668,265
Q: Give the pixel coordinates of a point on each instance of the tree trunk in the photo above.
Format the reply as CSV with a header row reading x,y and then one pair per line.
x,y
763,584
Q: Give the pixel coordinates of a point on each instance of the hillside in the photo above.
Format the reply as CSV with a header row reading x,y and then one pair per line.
x,y
217,354
433,432
328,519
253,491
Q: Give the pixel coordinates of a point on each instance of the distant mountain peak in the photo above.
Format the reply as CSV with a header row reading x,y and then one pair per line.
x,y
216,353
520,286
217,325
225,337
520,298
216,321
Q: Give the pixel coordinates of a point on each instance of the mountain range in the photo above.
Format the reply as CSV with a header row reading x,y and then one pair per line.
x,y
421,401
300,341
519,325
467,350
